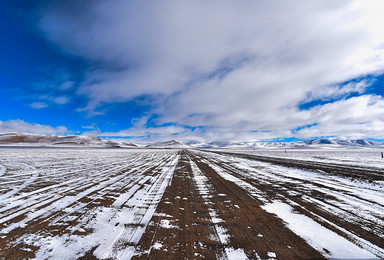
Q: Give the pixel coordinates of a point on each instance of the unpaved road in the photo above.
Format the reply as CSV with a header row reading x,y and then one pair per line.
x,y
183,204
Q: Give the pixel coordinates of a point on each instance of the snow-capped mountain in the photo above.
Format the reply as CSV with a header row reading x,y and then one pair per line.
x,y
358,142
307,144
173,144
352,143
22,139
126,144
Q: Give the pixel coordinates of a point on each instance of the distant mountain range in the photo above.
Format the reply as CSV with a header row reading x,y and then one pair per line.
x,y
170,144
22,139
308,144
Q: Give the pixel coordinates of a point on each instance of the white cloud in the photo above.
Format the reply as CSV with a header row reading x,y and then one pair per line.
x,y
53,79
357,117
21,126
61,100
38,105
337,91
142,135
47,100
66,85
52,89
231,66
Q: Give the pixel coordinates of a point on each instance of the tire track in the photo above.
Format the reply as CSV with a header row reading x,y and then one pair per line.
x,y
204,216
60,208
366,231
72,209
33,176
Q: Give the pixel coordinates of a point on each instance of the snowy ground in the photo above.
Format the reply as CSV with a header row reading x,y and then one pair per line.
x,y
156,204
356,157
71,201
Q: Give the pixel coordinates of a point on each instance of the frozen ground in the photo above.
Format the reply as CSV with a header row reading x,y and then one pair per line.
x,y
180,204
356,157
63,203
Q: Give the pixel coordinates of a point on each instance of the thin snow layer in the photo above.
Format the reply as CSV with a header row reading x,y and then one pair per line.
x,y
236,254
66,188
31,177
359,202
361,158
221,235
205,189
115,226
3,169
322,239
253,191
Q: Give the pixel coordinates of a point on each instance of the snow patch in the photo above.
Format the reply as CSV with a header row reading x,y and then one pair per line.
x,y
165,223
157,246
235,254
3,169
322,239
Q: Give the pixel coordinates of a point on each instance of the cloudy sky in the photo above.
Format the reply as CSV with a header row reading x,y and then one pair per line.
x,y
218,70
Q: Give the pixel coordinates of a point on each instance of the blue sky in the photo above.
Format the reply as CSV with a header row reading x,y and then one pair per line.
x,y
33,71
193,70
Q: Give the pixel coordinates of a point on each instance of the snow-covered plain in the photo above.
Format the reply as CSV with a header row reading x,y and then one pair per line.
x,y
356,157
321,238
354,201
62,193
68,203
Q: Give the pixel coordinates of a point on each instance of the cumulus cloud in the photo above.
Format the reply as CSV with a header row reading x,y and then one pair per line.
x,y
229,66
357,117
21,126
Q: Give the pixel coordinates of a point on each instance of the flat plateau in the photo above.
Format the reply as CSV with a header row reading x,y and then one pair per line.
x,y
190,204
